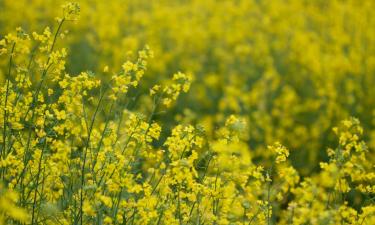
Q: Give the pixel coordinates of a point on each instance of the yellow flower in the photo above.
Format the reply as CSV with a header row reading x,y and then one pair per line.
x,y
88,209
128,66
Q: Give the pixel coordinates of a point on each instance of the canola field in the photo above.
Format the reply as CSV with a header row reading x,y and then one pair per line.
x,y
206,112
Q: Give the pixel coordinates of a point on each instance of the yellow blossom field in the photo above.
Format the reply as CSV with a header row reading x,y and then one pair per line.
x,y
206,112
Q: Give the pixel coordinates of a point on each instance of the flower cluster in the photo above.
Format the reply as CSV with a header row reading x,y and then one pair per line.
x,y
239,138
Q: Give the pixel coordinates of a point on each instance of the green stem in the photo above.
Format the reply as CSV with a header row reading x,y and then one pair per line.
x,y
85,156
3,152
37,180
33,106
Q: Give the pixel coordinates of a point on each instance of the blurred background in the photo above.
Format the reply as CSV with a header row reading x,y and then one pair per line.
x,y
291,68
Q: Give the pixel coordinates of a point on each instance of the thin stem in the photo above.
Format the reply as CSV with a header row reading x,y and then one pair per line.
x,y
37,180
6,100
179,206
34,103
3,151
268,204
85,155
